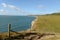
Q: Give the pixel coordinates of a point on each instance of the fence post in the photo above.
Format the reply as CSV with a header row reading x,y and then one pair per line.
x,y
9,26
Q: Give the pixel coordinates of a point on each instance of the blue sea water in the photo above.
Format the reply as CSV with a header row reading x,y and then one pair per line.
x,y
18,23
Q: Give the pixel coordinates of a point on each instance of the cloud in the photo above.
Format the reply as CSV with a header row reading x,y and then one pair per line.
x,y
2,11
5,5
14,8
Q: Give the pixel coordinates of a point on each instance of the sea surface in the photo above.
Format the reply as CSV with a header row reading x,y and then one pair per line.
x,y
18,23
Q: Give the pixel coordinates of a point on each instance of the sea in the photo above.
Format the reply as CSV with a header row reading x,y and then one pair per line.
x,y
18,23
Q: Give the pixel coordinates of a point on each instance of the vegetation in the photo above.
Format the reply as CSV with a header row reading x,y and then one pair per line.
x,y
49,23
55,14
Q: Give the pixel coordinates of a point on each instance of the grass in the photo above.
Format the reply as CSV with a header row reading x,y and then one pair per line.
x,y
48,23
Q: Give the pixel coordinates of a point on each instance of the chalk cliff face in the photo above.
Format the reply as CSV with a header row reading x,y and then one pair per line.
x,y
34,25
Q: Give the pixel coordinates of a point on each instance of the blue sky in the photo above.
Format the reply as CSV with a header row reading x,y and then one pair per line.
x,y
28,7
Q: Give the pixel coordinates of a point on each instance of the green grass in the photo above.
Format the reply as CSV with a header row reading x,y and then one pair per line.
x,y
48,23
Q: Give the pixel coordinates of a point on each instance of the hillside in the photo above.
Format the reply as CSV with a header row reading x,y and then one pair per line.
x,y
46,23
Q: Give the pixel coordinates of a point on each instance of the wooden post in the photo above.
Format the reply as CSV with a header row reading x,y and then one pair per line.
x,y
9,26
30,30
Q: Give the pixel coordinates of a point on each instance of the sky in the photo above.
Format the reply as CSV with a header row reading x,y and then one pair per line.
x,y
29,7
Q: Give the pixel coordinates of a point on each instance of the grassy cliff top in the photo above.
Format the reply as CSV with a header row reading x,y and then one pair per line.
x,y
48,23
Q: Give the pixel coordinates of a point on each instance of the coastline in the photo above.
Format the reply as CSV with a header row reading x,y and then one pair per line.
x,y
27,30
32,25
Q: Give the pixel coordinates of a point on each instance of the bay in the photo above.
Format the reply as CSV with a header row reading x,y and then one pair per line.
x,y
18,23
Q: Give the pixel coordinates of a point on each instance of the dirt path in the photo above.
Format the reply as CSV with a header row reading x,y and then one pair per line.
x,y
34,36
